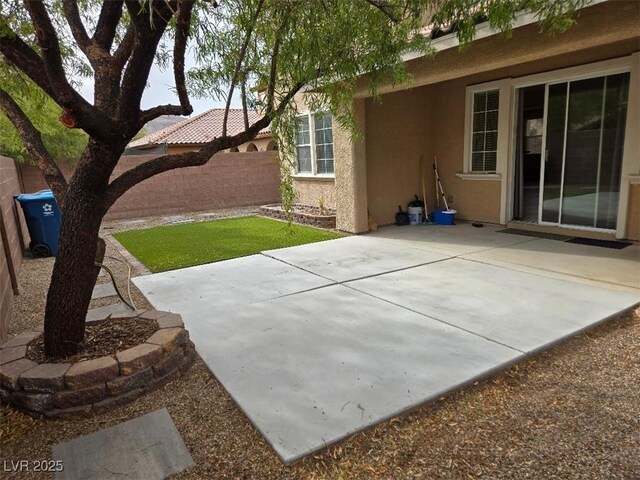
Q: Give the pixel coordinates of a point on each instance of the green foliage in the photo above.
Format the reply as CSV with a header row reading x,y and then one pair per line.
x,y
554,16
179,246
328,46
60,141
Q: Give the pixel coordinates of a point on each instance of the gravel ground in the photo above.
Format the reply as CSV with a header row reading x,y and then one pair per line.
x,y
569,412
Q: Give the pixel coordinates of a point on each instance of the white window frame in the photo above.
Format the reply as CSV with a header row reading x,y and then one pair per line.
x,y
310,145
503,87
484,132
314,154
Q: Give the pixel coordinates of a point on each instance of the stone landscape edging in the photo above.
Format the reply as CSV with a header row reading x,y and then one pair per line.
x,y
65,389
276,211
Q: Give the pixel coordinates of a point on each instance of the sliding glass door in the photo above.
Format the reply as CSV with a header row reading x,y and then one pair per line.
x,y
583,145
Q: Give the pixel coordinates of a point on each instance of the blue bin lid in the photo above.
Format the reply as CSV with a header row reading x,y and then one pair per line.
x,y
41,196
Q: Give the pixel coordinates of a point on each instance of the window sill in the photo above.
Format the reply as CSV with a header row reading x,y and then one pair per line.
x,y
634,179
479,176
309,176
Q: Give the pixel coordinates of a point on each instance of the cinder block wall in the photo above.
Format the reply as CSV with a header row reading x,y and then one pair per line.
x,y
13,233
227,180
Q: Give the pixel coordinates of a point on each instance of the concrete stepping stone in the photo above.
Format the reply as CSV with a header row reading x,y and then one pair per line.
x,y
100,314
103,290
148,447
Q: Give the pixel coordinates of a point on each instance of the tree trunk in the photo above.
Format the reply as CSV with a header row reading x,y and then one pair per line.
x,y
74,272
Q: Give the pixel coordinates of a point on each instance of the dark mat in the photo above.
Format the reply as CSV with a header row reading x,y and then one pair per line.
x,y
599,243
529,233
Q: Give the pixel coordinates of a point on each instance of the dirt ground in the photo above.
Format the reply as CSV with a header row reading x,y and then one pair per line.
x,y
570,412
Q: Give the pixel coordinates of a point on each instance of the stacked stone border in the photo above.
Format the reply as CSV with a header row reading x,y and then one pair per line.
x,y
276,211
64,389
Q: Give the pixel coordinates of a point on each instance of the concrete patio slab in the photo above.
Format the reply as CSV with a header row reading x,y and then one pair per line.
x,y
354,257
312,368
449,240
522,310
618,267
148,447
202,293
416,315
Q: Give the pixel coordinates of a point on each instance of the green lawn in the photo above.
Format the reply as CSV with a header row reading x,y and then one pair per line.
x,y
179,246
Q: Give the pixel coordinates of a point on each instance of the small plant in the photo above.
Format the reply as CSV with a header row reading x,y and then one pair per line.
x,y
321,207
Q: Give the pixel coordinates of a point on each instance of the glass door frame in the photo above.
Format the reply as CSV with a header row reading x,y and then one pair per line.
x,y
630,63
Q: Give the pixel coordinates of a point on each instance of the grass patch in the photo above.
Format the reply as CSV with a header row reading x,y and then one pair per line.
x,y
179,246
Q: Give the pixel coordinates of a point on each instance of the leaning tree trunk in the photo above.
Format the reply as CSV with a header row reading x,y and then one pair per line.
x,y
75,271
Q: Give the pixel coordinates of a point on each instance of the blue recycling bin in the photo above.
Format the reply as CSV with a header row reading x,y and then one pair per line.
x,y
43,218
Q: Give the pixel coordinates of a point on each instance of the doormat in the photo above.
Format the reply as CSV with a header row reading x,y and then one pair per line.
x,y
599,243
530,233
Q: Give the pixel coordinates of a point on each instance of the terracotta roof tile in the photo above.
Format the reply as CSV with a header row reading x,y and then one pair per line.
x,y
200,129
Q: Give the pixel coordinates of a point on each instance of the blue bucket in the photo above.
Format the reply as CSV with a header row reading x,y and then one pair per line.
x,y
444,217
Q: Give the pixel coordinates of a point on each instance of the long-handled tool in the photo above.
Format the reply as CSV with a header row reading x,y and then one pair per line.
x,y
424,190
438,183
426,220
435,163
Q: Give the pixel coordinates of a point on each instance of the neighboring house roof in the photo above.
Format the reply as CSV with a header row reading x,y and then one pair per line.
x,y
201,129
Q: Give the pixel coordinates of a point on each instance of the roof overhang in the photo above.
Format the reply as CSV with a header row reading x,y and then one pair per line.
x,y
483,30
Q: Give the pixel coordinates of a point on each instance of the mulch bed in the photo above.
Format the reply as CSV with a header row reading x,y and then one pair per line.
x,y
107,338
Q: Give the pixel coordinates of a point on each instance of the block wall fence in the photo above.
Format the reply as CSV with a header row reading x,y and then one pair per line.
x,y
13,238
227,180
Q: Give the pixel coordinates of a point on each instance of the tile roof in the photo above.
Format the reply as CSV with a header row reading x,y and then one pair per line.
x,y
201,129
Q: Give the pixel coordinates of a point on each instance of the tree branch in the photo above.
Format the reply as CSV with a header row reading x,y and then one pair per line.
x,y
236,73
147,33
273,72
183,24
18,53
245,113
72,14
110,15
33,142
155,112
386,8
78,113
50,51
165,163
123,52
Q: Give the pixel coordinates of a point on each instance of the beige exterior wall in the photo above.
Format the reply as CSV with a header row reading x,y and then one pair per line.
x,y
351,174
633,214
397,135
428,120
310,192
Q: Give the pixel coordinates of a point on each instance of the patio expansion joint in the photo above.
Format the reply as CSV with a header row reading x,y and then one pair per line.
x,y
341,282
544,272
299,268
433,318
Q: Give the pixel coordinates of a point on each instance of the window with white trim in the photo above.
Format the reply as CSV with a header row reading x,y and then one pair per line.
x,y
314,144
484,131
